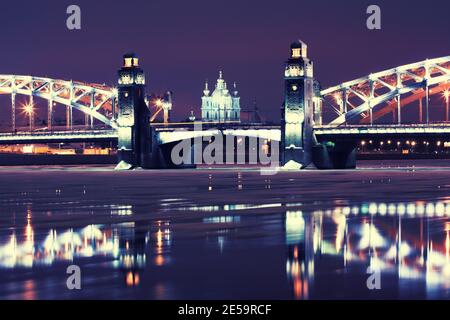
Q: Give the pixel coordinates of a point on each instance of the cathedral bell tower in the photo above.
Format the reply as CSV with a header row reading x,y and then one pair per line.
x,y
297,111
133,117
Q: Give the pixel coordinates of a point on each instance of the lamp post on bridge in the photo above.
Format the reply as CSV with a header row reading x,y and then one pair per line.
x,y
29,110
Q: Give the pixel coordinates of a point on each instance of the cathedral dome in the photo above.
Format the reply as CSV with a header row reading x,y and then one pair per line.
x,y
220,106
220,93
221,87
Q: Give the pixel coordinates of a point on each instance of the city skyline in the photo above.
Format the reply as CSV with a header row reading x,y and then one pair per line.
x,y
178,52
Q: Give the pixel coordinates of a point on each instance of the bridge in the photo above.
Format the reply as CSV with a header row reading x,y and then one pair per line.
x,y
320,126
401,131
69,136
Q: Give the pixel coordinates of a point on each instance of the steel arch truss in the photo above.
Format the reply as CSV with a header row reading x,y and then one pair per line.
x,y
96,101
355,100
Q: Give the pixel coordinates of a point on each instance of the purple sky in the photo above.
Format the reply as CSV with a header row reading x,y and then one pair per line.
x,y
181,43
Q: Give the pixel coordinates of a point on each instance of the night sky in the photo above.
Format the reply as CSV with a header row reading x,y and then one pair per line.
x,y
182,43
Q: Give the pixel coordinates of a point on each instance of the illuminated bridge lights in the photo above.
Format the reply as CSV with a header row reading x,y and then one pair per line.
x,y
354,99
58,136
369,98
383,129
412,209
95,100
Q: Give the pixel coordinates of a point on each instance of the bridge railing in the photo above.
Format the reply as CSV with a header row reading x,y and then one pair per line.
x,y
58,133
411,125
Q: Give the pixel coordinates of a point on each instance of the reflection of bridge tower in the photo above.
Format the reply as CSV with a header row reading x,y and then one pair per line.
x,y
303,235
297,110
134,116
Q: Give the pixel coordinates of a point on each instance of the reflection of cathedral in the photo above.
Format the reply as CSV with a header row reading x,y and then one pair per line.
x,y
220,106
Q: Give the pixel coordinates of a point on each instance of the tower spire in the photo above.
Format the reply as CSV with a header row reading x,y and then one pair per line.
x,y
206,91
235,91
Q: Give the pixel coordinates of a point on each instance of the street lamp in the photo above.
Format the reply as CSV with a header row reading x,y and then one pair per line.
x,y
158,102
29,110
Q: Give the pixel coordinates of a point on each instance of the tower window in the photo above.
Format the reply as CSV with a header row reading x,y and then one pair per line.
x,y
128,62
296,53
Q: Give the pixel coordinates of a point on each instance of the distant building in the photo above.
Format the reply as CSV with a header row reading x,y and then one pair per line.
x,y
221,106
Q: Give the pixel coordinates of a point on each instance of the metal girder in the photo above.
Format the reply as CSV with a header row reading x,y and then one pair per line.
x,y
407,78
73,94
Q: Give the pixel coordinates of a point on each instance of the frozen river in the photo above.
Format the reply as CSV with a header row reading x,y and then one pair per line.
x,y
226,233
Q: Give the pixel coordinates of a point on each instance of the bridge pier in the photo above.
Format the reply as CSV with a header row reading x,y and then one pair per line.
x,y
297,111
301,108
161,154
335,155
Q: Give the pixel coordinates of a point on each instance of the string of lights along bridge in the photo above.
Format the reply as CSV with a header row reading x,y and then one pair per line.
x,y
320,126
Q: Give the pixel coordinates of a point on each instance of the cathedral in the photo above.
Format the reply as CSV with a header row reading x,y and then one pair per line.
x,y
220,105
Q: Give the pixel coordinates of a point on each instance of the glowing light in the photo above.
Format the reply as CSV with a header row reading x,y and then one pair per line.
x,y
28,109
132,279
401,209
295,225
370,237
158,103
446,95
296,53
337,98
447,245
382,209
392,209
439,209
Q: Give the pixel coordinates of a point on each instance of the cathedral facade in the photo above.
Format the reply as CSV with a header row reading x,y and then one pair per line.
x,y
221,105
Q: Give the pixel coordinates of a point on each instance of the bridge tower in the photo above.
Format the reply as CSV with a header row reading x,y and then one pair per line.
x,y
134,145
297,110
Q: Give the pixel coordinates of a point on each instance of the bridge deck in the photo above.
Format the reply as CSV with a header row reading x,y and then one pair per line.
x,y
173,133
59,136
434,131
394,130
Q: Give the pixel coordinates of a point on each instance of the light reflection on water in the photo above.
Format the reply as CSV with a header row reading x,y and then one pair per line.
x,y
408,240
382,244
118,242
